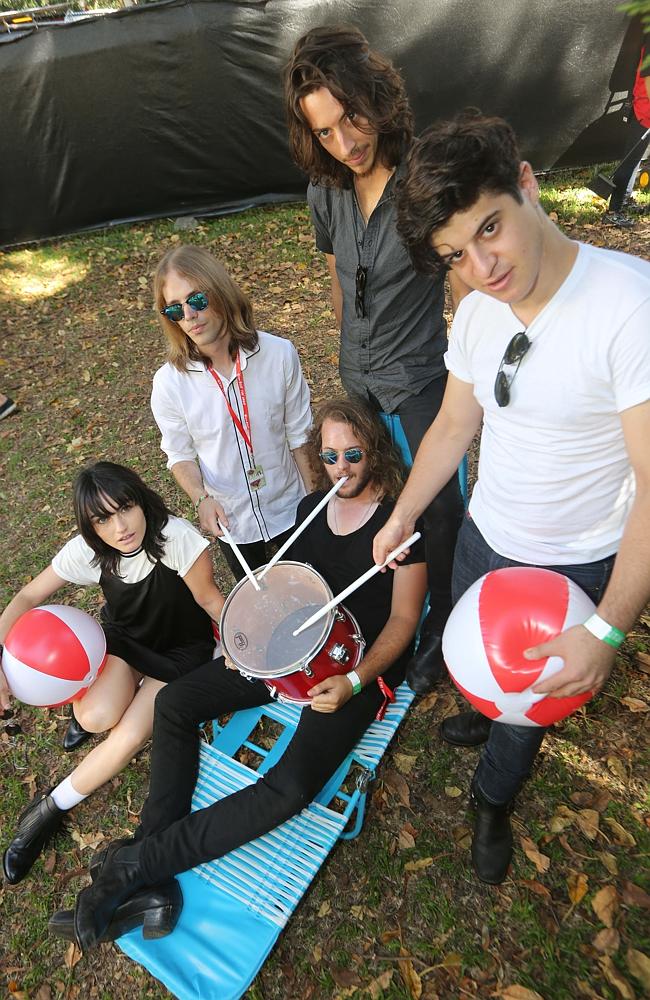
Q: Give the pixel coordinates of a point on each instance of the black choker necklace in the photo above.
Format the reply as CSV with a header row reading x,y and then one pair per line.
x,y
129,555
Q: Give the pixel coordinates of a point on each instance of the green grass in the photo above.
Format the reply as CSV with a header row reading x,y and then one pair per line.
x,y
80,348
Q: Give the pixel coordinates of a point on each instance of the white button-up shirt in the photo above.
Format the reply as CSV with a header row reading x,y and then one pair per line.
x,y
195,423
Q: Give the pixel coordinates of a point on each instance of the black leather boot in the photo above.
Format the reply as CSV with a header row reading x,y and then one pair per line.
x,y
75,735
492,843
155,909
37,824
467,729
119,880
427,667
103,855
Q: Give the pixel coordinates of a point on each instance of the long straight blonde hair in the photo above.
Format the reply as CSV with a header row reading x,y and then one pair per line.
x,y
207,274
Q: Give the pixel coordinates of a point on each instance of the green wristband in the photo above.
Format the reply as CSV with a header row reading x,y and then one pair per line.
x,y
605,632
199,500
355,681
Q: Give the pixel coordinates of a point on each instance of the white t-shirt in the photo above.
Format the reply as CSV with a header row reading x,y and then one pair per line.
x,y
554,483
183,546
194,421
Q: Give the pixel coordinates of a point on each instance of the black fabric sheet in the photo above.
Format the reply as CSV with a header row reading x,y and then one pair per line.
x,y
175,108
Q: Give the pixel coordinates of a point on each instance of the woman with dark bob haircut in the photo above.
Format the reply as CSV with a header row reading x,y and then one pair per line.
x,y
161,599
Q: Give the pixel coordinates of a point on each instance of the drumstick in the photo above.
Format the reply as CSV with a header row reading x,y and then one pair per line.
x,y
357,583
244,565
301,527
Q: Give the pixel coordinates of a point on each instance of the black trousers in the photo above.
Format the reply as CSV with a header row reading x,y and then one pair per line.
x,y
256,554
444,515
174,839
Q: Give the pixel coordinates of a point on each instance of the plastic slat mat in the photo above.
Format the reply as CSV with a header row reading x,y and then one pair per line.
x,y
234,908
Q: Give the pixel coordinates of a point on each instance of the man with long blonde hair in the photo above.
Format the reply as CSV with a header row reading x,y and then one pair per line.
x,y
232,406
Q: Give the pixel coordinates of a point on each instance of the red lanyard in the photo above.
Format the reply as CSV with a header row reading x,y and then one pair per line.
x,y
244,431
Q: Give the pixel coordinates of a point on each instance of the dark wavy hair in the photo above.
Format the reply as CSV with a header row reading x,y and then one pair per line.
x,y
98,490
202,269
339,58
384,461
447,170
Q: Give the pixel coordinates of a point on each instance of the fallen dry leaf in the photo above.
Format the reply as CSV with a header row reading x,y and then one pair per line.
x,y
324,909
72,955
587,820
643,662
462,837
397,784
577,885
639,966
536,887
410,977
426,704
517,992
541,861
418,866
634,895
607,941
317,953
405,762
377,987
614,977
619,833
405,839
605,905
609,861
345,979
617,767
452,791
635,704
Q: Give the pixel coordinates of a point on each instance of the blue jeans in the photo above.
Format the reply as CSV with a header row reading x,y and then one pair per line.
x,y
510,751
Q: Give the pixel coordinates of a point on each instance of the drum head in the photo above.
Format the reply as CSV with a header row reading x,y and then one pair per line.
x,y
256,626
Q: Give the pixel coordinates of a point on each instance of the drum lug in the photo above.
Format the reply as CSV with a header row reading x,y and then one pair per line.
x,y
339,616
308,672
339,653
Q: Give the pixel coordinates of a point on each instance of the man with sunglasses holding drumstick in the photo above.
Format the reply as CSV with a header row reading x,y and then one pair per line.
x,y
350,126
349,440
551,351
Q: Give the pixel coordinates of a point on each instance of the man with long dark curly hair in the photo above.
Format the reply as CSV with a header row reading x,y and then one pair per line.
x,y
350,126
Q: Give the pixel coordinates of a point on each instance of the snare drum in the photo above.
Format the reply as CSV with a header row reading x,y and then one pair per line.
x,y
257,632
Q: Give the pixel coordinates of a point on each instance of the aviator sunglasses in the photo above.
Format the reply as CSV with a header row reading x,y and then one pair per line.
x,y
197,301
513,355
351,455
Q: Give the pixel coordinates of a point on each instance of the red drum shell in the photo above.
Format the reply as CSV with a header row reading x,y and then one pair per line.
x,y
257,632
345,634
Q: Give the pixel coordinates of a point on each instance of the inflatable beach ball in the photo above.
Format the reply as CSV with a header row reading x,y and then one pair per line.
x,y
52,654
501,615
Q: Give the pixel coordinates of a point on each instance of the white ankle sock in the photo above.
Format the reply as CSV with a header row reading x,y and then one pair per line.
x,y
66,795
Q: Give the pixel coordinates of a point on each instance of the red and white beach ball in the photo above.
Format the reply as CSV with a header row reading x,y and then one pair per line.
x,y
501,615
52,655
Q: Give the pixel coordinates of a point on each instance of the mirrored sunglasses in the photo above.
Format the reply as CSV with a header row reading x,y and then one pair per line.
x,y
351,455
197,301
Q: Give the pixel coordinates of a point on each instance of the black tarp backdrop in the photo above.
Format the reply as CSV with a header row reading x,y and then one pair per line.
x,y
175,108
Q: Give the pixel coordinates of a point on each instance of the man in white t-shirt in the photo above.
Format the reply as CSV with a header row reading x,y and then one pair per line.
x,y
551,352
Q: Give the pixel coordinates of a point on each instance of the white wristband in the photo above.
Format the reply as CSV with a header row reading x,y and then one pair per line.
x,y
604,631
355,681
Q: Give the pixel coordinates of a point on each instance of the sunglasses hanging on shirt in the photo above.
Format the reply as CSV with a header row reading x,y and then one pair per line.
x,y
513,355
